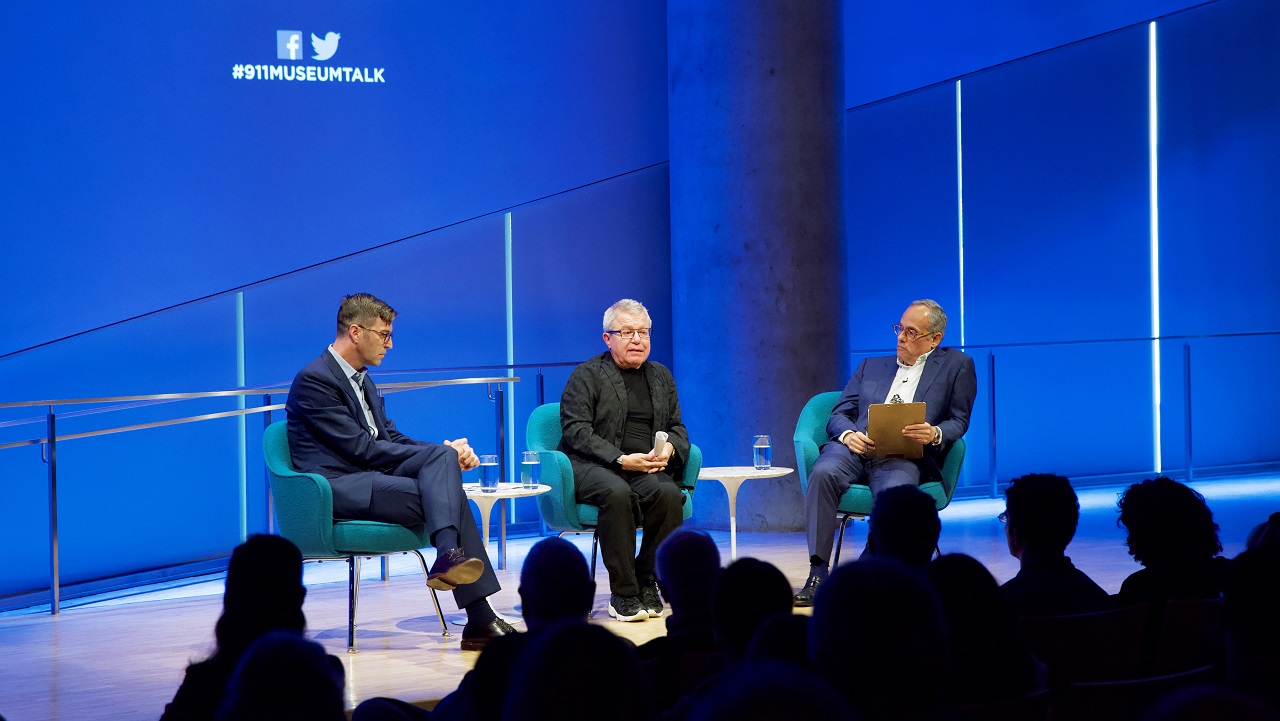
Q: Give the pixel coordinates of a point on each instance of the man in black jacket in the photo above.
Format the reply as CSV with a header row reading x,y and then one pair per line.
x,y
612,406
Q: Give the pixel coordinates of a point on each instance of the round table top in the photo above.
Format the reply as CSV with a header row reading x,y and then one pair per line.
x,y
719,472
505,490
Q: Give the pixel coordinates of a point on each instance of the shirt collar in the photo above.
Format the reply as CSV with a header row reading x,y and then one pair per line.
x,y
347,369
919,361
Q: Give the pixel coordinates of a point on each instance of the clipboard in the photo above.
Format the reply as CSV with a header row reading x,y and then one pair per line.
x,y
885,422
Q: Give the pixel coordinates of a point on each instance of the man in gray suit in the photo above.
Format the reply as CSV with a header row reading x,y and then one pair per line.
x,y
611,408
943,378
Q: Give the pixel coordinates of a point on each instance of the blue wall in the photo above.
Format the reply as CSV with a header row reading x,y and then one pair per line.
x,y
1042,245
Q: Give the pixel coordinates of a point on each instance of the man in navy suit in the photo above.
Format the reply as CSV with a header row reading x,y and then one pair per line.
x,y
338,428
943,378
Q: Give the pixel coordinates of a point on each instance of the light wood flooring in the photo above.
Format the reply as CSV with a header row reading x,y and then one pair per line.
x,y
123,658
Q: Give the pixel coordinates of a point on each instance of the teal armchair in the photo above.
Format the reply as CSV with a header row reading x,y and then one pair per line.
x,y
559,507
811,433
304,514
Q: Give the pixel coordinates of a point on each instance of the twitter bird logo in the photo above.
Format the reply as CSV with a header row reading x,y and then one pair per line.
x,y
326,47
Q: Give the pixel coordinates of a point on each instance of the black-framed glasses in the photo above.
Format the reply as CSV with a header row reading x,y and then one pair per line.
x,y
386,334
912,333
1003,517
629,333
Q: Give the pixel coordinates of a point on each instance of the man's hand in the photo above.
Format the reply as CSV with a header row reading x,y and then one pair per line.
x,y
859,442
643,462
665,455
466,457
921,433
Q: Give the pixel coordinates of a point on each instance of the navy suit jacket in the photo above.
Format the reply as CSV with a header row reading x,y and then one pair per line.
x,y
328,435
947,387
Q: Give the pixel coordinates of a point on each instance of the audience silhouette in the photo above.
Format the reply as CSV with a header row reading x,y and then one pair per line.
x,y
904,526
989,661
264,593
1041,514
284,677
894,616
555,587
575,671
937,638
1173,535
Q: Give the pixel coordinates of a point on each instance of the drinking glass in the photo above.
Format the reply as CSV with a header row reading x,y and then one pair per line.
x,y
762,451
489,474
530,469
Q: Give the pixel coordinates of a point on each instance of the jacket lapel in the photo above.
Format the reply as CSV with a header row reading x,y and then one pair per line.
x,y
932,365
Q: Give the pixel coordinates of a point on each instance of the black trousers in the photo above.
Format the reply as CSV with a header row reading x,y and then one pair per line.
x,y
426,490
649,501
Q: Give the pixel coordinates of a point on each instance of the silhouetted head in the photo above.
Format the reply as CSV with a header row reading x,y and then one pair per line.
x,y
1043,512
881,604
1168,523
284,677
264,592
1251,626
768,691
971,599
782,637
904,525
749,592
578,672
555,583
688,565
1265,534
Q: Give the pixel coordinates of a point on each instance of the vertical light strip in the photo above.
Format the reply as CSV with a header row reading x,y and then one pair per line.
x,y
960,202
511,351
1153,147
240,421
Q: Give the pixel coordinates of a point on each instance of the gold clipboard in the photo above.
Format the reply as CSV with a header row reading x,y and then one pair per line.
x,y
885,422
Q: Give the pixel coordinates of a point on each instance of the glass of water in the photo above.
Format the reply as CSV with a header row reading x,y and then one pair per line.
x,y
530,469
762,451
489,474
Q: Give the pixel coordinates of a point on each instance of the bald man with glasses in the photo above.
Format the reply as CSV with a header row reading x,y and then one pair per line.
x,y
611,408
943,378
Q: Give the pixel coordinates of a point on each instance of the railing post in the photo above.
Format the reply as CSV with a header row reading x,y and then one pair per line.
x,y
500,420
1186,404
55,585
991,402
541,386
266,474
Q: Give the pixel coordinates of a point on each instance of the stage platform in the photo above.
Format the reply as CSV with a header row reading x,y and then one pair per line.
x,y
123,657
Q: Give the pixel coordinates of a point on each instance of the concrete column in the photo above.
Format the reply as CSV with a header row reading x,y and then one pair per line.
x,y
756,128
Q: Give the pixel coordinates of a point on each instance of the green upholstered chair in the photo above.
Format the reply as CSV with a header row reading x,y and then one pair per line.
x,y
811,433
559,507
304,514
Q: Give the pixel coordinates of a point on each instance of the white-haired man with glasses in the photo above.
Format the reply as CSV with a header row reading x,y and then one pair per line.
x,y
611,408
943,378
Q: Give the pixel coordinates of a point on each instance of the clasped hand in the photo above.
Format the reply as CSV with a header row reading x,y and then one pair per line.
x,y
646,462
466,457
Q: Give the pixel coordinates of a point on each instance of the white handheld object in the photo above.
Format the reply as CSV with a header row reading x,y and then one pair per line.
x,y
659,443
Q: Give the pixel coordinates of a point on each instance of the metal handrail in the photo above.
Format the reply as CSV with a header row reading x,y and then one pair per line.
x,y
49,442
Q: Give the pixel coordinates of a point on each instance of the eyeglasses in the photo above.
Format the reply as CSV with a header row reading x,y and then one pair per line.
x,y
912,333
1003,517
386,334
628,334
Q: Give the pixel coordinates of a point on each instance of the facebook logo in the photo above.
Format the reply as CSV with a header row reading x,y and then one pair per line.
x,y
289,44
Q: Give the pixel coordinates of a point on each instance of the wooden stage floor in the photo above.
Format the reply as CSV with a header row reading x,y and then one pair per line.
x,y
123,658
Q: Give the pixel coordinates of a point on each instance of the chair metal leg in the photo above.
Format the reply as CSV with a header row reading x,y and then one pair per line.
x,y
595,543
844,521
353,599
434,598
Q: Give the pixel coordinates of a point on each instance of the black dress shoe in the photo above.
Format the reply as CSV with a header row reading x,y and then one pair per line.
x,y
475,636
804,599
454,569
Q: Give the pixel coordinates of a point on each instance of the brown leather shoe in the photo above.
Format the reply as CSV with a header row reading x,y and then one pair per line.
x,y
454,569
475,637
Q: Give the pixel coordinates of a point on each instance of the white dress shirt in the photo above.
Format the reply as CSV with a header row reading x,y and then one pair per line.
x,y
356,377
